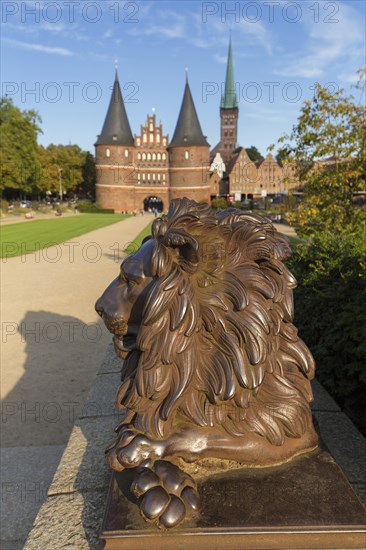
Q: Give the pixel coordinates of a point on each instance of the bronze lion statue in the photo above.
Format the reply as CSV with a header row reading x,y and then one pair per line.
x,y
213,366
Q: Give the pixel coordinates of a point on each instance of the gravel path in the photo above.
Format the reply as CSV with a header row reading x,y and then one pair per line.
x,y
52,339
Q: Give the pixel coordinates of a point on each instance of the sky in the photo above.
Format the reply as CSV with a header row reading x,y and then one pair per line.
x,y
59,57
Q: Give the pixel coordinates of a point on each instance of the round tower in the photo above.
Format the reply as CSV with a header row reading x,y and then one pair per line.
x,y
189,155
114,154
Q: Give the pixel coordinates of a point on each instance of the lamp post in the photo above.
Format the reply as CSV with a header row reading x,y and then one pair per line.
x,y
60,182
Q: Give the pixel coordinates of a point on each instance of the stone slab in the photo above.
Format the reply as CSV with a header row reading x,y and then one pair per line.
x,y
346,444
111,363
68,521
83,467
26,473
322,400
307,503
100,401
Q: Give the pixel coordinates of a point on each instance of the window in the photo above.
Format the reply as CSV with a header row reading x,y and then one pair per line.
x,y
114,138
144,138
149,156
126,153
151,127
163,177
107,152
143,177
153,177
186,155
164,156
164,141
154,156
138,156
159,156
158,177
143,156
138,141
157,138
151,138
148,177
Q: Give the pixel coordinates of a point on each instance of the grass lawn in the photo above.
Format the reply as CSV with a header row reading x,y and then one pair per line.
x,y
26,237
136,243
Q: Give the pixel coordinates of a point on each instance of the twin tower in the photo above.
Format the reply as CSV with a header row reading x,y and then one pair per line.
x,y
146,171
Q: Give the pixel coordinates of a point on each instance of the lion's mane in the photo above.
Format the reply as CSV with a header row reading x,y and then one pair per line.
x,y
217,345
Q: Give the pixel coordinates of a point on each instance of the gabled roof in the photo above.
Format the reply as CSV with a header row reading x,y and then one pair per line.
x,y
116,128
229,99
232,163
188,129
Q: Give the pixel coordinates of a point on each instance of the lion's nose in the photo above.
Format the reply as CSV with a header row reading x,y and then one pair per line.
x,y
99,307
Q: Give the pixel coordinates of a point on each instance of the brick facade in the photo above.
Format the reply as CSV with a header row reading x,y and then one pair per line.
x,y
128,176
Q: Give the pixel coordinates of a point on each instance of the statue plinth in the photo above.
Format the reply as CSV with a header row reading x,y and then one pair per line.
x,y
307,503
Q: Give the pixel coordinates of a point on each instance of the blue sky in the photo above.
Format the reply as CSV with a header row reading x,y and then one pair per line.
x,y
58,57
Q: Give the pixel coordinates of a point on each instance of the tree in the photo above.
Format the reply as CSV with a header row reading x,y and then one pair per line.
x,y
282,156
18,148
254,154
89,173
65,160
328,145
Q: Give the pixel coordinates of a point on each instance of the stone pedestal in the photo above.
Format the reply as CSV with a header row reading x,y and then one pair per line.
x,y
306,504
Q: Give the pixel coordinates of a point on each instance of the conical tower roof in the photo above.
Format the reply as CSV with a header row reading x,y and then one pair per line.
x,y
116,128
229,99
188,129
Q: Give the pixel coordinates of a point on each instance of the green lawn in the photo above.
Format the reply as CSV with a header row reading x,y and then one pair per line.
x,y
26,237
136,243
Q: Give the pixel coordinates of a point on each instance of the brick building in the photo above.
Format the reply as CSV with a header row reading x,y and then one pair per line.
x,y
146,171
242,178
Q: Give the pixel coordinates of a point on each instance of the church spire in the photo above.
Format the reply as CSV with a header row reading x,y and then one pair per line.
x,y
116,128
188,129
229,99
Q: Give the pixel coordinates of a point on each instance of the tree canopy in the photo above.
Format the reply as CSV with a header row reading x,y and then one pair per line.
x,y
18,147
30,169
328,144
253,153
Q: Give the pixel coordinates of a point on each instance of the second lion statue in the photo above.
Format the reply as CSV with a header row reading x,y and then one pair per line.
x,y
213,366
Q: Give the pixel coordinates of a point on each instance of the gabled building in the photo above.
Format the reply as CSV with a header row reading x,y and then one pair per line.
x,y
242,177
145,171
247,179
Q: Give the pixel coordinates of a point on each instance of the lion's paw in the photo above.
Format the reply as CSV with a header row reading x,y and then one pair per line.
x,y
131,449
167,494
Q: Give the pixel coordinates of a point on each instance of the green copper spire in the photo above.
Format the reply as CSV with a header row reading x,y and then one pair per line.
x,y
229,100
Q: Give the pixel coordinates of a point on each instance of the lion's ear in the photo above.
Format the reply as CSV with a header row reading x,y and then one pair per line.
x,y
186,245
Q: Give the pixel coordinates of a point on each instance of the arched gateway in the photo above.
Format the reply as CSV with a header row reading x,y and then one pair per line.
x,y
152,203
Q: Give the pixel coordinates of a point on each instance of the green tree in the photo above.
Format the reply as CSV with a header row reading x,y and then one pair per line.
x,y
253,153
328,144
65,160
18,149
282,156
89,173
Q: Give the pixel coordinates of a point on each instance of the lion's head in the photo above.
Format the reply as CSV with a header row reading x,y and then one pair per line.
x,y
202,314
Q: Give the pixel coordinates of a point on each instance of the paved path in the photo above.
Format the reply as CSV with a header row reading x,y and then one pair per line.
x,y
52,339
52,346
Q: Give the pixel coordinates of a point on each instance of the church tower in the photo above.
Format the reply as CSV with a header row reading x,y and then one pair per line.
x,y
189,154
229,113
114,154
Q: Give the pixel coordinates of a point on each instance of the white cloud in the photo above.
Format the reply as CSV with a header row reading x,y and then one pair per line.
x,y
190,28
38,47
341,42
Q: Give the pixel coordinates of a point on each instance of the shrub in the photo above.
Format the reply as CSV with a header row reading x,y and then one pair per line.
x,y
219,204
4,205
330,312
88,207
